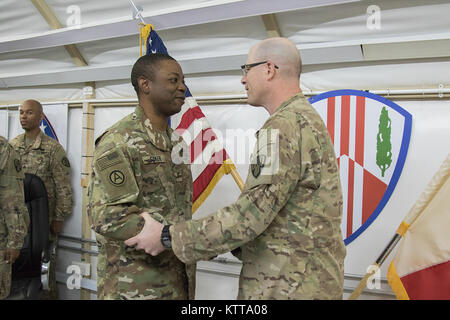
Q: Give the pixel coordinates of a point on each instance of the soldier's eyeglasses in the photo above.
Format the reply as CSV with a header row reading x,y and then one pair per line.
x,y
246,67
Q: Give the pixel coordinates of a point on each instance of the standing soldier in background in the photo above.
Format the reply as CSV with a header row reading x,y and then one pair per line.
x,y
133,172
14,218
45,157
286,222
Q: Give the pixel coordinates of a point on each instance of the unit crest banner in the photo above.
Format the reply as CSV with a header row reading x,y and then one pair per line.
x,y
371,136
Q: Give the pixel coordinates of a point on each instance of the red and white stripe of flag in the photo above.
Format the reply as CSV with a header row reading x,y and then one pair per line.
x,y
206,151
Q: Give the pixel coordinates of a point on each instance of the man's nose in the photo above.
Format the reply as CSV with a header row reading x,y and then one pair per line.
x,y
182,87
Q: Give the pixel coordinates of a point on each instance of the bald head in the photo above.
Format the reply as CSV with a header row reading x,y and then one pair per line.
x,y
31,115
274,73
282,52
34,104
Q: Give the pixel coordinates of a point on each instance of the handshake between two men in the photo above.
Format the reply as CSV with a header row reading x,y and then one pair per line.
x,y
149,239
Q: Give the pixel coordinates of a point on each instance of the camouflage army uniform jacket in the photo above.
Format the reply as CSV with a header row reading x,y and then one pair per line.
x,y
133,172
47,159
287,220
14,218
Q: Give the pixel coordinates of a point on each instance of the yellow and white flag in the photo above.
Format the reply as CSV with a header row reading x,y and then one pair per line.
x,y
421,267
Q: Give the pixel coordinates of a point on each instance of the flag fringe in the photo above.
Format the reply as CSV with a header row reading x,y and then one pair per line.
x,y
144,33
202,197
396,283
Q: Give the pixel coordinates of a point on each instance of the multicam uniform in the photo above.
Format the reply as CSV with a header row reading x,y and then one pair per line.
x,y
46,158
133,172
14,218
287,220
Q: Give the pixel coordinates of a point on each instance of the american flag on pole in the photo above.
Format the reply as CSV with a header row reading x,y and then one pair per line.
x,y
209,159
371,137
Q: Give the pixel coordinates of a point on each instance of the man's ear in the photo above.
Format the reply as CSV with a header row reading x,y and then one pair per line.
x,y
144,85
271,70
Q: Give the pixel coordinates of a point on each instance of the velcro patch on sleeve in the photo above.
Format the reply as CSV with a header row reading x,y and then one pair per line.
x,y
116,176
264,162
109,160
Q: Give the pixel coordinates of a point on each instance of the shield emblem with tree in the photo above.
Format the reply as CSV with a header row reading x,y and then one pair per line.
x,y
371,136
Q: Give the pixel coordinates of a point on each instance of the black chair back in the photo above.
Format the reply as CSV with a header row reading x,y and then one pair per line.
x,y
26,270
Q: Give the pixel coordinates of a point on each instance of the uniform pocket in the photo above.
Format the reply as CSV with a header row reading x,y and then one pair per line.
x,y
183,189
5,181
158,188
169,186
151,177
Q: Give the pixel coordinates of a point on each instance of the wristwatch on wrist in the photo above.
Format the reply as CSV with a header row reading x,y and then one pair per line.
x,y
166,240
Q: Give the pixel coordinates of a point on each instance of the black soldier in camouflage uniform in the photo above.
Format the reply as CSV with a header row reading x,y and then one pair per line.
x,y
133,172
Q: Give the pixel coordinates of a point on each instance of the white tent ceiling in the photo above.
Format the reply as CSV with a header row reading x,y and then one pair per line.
x,y
410,49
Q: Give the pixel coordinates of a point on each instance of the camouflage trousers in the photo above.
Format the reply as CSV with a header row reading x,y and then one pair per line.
x,y
5,276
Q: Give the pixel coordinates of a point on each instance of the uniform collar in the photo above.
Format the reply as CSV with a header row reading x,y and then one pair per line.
x,y
282,107
37,142
288,101
159,140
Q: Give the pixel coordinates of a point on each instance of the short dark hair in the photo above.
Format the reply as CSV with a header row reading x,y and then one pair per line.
x,y
146,66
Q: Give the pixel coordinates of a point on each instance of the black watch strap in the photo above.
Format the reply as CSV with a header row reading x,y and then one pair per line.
x,y
166,240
